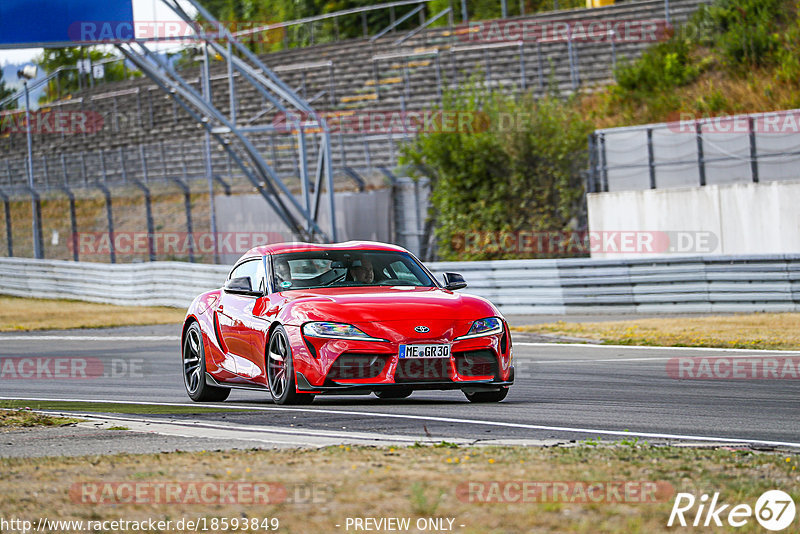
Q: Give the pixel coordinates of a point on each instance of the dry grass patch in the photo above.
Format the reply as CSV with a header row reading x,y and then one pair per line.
x,y
28,418
332,484
742,331
43,314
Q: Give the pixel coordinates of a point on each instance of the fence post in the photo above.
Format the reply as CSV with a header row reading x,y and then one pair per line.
x,y
753,152
73,221
331,85
651,159
46,173
540,63
701,162
603,163
110,219
122,166
148,211
612,34
464,14
592,175
439,78
9,235
36,215
187,205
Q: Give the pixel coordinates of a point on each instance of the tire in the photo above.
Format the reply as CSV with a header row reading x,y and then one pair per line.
x,y
194,369
487,396
400,393
280,370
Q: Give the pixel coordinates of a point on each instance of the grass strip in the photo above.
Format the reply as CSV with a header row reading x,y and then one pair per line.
x,y
326,486
776,331
23,314
103,407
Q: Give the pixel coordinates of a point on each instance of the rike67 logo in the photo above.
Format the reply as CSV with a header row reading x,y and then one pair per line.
x,y
774,510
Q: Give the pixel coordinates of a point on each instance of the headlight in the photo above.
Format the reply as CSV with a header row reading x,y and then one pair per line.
x,y
336,331
484,327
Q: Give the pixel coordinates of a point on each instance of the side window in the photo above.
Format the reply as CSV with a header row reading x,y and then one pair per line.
x,y
249,269
401,272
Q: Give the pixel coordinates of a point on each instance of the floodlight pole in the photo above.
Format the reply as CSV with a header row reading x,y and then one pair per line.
x,y
209,167
37,232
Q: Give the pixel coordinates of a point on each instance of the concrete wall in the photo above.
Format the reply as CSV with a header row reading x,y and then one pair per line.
x,y
761,218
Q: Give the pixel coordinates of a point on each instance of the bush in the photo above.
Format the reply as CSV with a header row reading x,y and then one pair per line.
x,y
520,170
665,66
744,31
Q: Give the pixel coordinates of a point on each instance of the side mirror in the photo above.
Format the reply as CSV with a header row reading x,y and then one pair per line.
x,y
453,281
241,286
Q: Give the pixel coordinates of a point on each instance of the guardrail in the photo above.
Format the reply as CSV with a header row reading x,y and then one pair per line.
x,y
685,284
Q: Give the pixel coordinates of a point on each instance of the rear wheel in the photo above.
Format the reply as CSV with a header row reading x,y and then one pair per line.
x,y
487,396
194,369
400,393
280,371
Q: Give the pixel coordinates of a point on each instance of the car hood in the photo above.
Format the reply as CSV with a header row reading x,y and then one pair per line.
x,y
380,304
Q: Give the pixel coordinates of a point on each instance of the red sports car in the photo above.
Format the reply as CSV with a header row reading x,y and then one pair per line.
x,y
301,320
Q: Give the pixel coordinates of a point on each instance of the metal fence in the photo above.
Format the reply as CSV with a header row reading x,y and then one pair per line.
x,y
725,150
686,284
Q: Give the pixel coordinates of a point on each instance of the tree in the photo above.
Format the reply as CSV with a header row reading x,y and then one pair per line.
x,y
5,92
68,81
515,168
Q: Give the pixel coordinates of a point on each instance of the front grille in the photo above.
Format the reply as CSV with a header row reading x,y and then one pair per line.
x,y
476,363
353,366
422,369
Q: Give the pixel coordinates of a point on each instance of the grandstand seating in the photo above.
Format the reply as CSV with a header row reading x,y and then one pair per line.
x,y
142,124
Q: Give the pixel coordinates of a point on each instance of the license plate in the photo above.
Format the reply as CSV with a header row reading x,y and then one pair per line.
x,y
424,351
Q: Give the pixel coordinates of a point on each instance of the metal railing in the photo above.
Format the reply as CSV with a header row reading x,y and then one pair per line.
x,y
710,284
696,152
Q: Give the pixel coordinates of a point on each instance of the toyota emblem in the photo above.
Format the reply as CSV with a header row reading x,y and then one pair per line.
x,y
422,329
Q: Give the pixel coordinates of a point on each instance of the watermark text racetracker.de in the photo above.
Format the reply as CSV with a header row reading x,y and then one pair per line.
x,y
69,368
735,368
96,493
587,242
172,243
575,491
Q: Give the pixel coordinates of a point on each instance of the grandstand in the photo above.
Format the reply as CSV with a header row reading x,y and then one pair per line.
x,y
146,136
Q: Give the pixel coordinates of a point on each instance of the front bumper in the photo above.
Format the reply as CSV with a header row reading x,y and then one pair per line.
x,y
330,366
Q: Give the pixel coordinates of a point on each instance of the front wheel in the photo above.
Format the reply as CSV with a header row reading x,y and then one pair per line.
x,y
487,396
280,371
194,369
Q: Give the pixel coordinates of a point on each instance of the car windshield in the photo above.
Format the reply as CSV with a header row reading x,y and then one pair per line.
x,y
352,268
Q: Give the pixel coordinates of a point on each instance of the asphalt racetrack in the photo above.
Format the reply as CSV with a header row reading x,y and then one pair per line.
x,y
562,393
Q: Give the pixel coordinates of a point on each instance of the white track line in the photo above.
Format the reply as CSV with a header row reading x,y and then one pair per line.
x,y
504,424
651,347
90,338
653,359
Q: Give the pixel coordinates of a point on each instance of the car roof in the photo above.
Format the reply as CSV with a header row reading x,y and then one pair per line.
x,y
280,248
